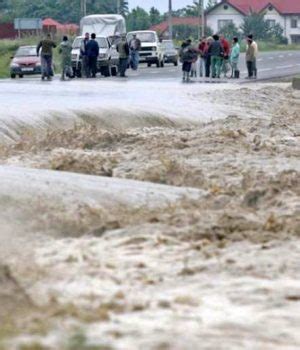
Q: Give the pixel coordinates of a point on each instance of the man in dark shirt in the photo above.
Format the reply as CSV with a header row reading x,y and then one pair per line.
x,y
46,47
92,49
84,57
216,52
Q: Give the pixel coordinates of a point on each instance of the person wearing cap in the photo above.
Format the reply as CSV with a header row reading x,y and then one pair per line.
x,y
123,49
84,56
65,49
134,46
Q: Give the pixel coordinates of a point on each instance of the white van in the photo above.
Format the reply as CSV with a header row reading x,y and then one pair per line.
x,y
152,50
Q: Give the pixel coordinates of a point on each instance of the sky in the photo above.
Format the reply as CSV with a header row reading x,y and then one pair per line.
x,y
162,5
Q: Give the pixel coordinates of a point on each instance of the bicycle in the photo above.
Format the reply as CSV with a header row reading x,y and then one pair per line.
x,y
226,68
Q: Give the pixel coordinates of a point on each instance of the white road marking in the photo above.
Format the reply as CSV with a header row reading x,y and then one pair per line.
x,y
259,60
265,69
284,67
271,58
281,56
290,54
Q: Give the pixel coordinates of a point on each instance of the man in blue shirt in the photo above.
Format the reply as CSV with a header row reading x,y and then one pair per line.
x,y
92,49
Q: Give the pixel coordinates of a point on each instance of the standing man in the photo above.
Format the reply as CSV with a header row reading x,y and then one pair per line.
x,y
188,55
250,58
123,49
92,49
65,49
217,53
134,46
84,56
254,43
234,57
201,48
46,46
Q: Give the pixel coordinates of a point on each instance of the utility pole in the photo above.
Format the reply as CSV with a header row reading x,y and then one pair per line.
x,y
201,14
170,24
119,7
203,18
83,7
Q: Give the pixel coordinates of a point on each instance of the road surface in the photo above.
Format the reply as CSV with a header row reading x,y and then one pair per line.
x,y
270,65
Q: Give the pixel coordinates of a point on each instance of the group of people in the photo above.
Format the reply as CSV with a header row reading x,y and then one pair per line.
x,y
214,55
89,52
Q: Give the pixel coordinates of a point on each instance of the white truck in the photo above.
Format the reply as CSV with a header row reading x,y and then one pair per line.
x,y
103,25
106,28
152,50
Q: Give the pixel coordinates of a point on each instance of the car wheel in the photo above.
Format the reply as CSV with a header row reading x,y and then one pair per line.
x,y
157,64
176,63
21,76
114,71
149,64
162,64
106,72
13,76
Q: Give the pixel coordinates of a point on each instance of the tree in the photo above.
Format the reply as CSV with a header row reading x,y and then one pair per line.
x,y
138,19
230,31
261,29
211,4
155,16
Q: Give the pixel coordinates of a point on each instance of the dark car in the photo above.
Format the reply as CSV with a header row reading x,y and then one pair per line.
x,y
171,53
25,62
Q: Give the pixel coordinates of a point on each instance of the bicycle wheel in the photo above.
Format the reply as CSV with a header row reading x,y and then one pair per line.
x,y
227,70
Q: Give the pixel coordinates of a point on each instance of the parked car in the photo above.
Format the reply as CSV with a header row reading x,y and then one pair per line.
x,y
152,50
25,62
171,53
108,59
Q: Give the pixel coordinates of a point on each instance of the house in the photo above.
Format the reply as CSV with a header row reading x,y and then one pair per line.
x,y
54,27
163,28
284,12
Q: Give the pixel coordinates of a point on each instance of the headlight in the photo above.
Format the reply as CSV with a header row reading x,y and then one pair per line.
x,y
74,57
102,55
154,48
14,65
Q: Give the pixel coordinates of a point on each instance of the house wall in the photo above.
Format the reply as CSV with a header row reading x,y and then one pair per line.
x,y
293,34
220,13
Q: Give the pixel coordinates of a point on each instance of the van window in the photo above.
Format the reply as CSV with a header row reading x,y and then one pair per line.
x,y
145,37
101,41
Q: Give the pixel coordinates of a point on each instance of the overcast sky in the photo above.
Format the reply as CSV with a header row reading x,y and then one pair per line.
x,y
162,5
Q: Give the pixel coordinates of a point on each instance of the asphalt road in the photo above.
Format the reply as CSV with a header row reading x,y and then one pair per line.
x,y
270,65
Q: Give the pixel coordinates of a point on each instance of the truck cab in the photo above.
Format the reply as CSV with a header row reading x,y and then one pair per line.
x,y
108,59
152,51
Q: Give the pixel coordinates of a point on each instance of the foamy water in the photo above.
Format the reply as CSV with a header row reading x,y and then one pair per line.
x,y
179,230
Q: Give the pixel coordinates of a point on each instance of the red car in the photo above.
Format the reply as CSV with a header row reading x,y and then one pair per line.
x,y
25,62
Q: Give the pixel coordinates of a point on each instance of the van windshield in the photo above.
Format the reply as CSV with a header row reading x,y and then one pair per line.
x,y
101,41
145,37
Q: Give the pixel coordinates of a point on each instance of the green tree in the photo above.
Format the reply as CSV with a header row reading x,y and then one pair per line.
x,y
138,19
211,4
230,30
256,24
154,16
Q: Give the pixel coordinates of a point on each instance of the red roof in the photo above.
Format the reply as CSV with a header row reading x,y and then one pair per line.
x,y
50,22
285,7
162,27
